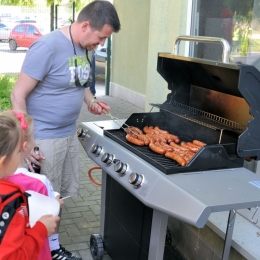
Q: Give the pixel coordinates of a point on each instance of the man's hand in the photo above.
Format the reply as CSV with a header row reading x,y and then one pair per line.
x,y
98,108
34,158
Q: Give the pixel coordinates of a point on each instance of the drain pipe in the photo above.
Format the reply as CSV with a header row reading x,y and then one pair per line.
x,y
108,65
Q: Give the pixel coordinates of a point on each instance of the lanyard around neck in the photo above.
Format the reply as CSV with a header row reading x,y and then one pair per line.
x,y
72,42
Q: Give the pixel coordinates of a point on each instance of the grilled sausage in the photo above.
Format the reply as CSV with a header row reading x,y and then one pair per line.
x,y
133,140
155,132
174,145
183,151
136,129
144,138
157,149
166,147
151,138
176,158
148,130
171,138
193,149
175,138
157,138
156,128
130,132
160,138
187,155
199,143
193,145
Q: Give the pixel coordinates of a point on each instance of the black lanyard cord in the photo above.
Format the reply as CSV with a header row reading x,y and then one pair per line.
x,y
75,49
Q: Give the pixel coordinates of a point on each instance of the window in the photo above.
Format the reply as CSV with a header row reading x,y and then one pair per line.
x,y
237,21
30,29
19,29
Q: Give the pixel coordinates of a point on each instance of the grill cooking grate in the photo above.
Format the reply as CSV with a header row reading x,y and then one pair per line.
x,y
198,116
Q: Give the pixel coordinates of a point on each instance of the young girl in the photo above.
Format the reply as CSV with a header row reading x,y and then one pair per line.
x,y
39,183
25,242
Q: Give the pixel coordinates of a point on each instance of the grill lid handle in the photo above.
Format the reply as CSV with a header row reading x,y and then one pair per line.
x,y
204,39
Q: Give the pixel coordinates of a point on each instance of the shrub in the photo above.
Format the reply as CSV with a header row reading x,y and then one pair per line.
x,y
6,85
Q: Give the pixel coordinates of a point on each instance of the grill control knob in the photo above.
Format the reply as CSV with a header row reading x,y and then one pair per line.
x,y
107,158
121,168
96,149
82,133
136,179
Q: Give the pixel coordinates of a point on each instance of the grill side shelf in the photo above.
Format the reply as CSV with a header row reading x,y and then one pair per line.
x,y
201,117
208,158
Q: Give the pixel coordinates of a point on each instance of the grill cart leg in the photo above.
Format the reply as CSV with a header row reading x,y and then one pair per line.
x,y
158,234
229,233
103,201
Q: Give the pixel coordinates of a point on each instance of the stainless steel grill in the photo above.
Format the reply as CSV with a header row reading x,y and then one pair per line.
x,y
214,102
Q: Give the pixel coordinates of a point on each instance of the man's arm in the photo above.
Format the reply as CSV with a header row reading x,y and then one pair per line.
x,y
24,85
88,96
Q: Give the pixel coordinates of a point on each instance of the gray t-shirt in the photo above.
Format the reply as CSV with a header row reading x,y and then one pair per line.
x,y
55,102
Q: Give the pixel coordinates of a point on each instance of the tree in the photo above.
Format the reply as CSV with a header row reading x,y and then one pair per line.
x,y
78,3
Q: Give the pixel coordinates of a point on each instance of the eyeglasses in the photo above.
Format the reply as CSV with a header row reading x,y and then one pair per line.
x,y
77,82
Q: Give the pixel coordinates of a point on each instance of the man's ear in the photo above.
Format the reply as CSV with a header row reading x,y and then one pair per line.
x,y
85,25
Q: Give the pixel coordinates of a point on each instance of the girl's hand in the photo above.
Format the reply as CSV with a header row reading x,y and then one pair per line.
x,y
60,201
50,222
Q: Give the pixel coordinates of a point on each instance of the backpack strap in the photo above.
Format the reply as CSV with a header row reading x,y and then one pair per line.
x,y
12,200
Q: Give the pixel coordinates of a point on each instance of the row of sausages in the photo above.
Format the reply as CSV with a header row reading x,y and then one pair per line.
x,y
162,142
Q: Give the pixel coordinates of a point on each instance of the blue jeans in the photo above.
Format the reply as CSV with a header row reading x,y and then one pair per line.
x,y
93,84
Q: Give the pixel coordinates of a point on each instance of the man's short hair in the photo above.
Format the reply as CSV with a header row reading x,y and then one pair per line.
x,y
98,13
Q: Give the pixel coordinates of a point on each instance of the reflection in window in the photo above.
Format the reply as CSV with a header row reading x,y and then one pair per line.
x,y
19,28
237,21
30,29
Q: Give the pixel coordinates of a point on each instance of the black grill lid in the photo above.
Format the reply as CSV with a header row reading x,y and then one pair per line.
x,y
229,91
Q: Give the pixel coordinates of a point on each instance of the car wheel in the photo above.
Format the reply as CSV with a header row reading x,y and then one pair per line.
x,y
12,45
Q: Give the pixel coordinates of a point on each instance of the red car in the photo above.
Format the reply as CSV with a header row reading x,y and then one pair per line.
x,y
24,35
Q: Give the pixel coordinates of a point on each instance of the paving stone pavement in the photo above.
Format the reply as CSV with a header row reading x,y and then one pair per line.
x,y
80,216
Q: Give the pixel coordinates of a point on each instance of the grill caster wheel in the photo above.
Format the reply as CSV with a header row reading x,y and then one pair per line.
x,y
96,247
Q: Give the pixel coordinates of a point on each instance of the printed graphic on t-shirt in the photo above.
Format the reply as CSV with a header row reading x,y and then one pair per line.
x,y
83,69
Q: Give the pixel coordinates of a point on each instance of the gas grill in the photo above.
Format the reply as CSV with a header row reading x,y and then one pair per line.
x,y
215,102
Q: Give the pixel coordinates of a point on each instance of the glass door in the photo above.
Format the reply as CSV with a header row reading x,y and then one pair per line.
x,y
237,21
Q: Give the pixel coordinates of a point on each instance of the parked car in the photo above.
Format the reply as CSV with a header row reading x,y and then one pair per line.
x,y
24,35
101,52
4,32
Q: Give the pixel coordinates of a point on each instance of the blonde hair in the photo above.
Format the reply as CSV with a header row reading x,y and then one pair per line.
x,y
14,129
29,131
